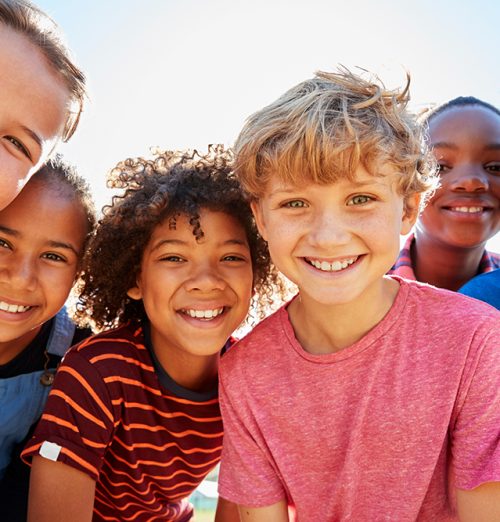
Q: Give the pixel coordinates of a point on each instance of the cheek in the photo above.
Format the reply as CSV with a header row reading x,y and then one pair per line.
x,y
58,286
12,180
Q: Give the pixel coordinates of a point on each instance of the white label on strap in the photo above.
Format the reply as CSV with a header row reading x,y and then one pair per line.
x,y
50,450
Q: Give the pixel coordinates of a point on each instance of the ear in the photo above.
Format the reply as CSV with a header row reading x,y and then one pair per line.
x,y
135,292
259,218
411,212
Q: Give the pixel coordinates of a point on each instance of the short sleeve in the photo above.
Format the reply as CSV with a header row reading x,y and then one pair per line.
x,y
476,429
247,475
77,424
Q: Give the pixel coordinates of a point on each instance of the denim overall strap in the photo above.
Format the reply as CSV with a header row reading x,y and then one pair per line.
x,y
23,397
61,335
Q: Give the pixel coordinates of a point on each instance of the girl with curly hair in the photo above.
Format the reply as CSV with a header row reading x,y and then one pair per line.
x,y
133,424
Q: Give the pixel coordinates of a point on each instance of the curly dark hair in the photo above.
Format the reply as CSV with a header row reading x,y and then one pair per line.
x,y
63,177
164,187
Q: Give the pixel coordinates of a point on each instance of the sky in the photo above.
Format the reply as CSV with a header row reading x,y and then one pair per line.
x,y
186,73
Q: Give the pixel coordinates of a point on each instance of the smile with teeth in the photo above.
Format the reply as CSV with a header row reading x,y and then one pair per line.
x,y
203,314
467,210
334,266
12,308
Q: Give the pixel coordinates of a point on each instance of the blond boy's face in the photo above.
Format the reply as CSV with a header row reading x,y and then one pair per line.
x,y
335,241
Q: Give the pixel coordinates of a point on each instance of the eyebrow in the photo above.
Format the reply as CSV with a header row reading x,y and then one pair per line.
x,y
179,242
448,145
297,190
51,243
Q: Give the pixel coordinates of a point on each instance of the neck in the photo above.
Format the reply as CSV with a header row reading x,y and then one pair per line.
x,y
11,349
196,373
443,265
323,329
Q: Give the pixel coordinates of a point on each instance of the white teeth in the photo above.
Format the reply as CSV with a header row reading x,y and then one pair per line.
x,y
204,314
325,266
6,307
469,210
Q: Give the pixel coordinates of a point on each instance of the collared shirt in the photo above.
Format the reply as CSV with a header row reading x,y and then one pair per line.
x,y
403,266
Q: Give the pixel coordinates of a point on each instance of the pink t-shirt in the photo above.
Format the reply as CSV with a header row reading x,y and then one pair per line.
x,y
383,430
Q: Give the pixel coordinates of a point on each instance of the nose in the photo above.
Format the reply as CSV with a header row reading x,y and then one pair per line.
x,y
18,273
468,179
205,278
329,229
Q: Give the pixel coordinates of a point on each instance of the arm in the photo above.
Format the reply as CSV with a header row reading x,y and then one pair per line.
x,y
276,513
59,493
226,511
481,504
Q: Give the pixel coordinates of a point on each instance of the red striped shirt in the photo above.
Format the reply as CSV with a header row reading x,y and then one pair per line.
x,y
403,266
119,417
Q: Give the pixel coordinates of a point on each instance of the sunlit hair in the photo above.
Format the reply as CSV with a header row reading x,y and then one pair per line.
x,y
154,190
31,22
64,180
321,130
458,103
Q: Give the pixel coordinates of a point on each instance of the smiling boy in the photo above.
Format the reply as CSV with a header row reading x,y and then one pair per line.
x,y
448,247
361,402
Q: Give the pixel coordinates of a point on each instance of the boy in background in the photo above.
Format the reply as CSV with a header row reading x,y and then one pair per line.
x,y
367,396
448,247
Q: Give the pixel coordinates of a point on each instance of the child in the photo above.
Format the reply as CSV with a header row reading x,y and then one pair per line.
x,y
42,93
42,237
367,397
133,424
448,248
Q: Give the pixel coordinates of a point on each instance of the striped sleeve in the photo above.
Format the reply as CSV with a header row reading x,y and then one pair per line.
x,y
78,417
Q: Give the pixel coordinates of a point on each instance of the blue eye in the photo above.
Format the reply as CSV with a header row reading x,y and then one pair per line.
x,y
295,203
359,200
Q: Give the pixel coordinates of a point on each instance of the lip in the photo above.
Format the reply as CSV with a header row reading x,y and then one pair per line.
x,y
485,203
15,302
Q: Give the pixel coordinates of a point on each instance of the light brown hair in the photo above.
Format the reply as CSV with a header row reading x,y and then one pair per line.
x,y
322,129
28,20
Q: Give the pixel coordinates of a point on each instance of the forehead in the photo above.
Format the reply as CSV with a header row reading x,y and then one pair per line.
x,y
44,210
217,226
465,122
33,93
382,176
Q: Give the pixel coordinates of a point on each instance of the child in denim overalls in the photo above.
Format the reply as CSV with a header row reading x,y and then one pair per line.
x,y
42,238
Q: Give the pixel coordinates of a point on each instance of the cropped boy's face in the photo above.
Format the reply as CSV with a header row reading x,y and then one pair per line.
x,y
465,211
33,108
41,237
195,293
334,241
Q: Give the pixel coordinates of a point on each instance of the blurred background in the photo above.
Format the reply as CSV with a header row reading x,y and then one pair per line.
x,y
185,73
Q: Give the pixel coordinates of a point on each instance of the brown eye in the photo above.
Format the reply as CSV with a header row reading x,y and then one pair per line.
x,y
18,146
494,168
442,168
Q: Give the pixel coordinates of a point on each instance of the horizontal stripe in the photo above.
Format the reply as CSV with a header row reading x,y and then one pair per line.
x,y
87,387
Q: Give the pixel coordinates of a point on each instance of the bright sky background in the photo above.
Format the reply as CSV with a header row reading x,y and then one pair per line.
x,y
185,73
